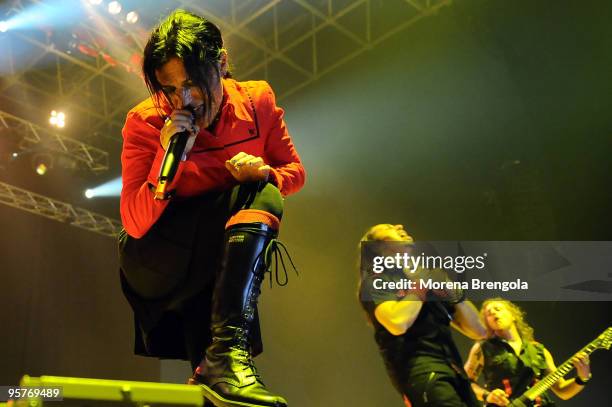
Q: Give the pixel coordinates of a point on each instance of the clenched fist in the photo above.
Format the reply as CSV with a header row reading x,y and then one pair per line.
x,y
247,168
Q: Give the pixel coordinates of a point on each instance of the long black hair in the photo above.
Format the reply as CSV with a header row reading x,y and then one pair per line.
x,y
194,40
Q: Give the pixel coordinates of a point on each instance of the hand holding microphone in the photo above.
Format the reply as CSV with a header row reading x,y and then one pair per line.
x,y
177,138
181,120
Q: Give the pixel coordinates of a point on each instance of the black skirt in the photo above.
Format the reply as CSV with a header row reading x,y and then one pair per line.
x,y
168,277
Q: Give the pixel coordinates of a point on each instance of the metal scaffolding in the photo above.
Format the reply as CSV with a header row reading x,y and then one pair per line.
x,y
293,43
36,137
57,210
92,70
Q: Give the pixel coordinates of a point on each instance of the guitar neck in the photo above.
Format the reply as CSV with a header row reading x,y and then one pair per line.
x,y
552,378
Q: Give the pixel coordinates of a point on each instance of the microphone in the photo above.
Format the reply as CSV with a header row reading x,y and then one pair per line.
x,y
172,158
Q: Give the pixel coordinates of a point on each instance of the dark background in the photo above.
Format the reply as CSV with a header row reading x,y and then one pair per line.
x,y
489,121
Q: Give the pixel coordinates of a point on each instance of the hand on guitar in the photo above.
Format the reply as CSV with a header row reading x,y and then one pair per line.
x,y
497,398
581,363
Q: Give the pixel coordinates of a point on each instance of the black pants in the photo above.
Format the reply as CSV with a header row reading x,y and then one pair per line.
x,y
439,389
168,275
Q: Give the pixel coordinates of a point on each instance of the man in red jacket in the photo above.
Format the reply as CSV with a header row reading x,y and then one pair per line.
x,y
192,262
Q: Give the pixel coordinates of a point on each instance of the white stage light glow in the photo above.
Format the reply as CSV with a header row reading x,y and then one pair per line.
x,y
95,2
4,26
132,17
114,7
110,188
57,119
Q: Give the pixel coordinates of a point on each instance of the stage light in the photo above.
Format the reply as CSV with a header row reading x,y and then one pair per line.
x,y
57,119
15,155
41,169
111,188
132,17
42,163
4,26
114,7
95,2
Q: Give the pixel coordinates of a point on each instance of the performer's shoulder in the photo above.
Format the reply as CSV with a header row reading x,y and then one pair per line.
x,y
257,89
146,111
144,119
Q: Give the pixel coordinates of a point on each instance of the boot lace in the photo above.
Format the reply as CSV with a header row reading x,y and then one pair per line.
x,y
274,254
244,356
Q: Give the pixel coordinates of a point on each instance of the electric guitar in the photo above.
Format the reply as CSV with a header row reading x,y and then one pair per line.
x,y
603,341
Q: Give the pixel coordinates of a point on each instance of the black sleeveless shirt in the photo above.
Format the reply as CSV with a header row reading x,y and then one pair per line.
x,y
503,368
425,347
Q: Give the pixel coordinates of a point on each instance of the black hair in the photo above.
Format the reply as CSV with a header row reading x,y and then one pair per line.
x,y
191,38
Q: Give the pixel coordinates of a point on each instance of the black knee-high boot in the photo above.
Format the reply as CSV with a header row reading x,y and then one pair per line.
x,y
227,373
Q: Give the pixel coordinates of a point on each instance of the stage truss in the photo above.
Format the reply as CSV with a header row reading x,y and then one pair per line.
x,y
57,210
92,69
35,137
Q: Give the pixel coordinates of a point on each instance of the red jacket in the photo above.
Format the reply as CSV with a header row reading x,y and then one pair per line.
x,y
204,170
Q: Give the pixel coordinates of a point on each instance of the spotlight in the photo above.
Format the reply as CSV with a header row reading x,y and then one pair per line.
x,y
95,2
109,188
57,119
42,163
41,169
114,7
132,17
15,155
4,26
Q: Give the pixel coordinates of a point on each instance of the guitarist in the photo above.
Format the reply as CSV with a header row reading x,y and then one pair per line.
x,y
511,361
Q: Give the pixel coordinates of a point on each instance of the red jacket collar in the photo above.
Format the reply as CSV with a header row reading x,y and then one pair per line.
x,y
233,99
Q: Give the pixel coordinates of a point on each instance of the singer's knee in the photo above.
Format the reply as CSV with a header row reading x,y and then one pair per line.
x,y
269,199
258,196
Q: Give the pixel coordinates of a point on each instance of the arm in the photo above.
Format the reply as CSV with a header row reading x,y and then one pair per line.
x,y
467,321
287,171
473,367
141,159
398,316
566,389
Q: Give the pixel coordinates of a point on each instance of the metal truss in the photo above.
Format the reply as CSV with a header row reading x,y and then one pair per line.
x,y
92,69
34,137
57,210
293,43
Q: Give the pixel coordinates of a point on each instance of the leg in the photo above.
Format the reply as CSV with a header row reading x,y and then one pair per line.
x,y
227,373
438,390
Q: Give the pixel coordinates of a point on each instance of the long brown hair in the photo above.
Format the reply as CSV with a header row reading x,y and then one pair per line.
x,y
523,328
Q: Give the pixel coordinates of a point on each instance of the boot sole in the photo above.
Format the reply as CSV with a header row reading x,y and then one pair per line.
x,y
220,401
